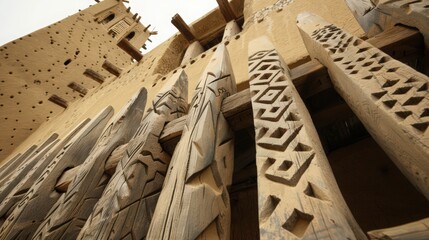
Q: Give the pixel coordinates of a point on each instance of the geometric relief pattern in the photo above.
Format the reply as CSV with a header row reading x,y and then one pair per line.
x,y
289,157
126,206
30,211
389,97
194,201
70,212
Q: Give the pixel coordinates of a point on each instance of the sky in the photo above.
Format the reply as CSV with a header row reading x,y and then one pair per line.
x,y
21,17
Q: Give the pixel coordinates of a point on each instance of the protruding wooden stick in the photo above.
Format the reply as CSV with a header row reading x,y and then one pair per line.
x,y
111,68
78,88
390,98
226,10
412,231
94,75
183,28
125,45
59,101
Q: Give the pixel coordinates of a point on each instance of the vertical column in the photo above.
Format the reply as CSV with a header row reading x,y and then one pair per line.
x,y
194,201
35,205
194,49
127,205
297,193
68,214
390,98
231,29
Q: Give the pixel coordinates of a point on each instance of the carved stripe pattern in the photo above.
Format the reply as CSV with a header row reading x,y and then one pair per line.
x,y
70,212
295,198
194,202
35,205
126,207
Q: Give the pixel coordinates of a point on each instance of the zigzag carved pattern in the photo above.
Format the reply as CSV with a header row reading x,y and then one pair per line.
x,y
126,207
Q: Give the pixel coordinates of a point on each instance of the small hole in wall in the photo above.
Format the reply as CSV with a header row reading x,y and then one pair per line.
x,y
237,37
67,62
203,55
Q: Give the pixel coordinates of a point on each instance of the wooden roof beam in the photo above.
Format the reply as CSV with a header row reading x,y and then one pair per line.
x,y
183,28
226,10
125,45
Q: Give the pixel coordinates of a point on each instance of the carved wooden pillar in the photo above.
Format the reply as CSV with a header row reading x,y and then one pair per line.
x,y
390,98
385,14
297,193
34,206
194,201
70,212
126,206
21,187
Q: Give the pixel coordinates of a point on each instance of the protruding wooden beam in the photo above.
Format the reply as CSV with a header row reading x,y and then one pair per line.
x,y
111,68
59,101
125,45
231,29
390,98
94,75
183,28
78,88
128,9
135,16
226,10
418,230
146,28
65,179
193,50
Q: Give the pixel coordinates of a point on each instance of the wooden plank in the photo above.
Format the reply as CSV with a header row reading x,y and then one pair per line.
x,y
226,10
21,188
94,75
127,205
390,98
111,68
31,210
125,45
183,28
194,49
297,193
67,215
418,230
58,100
202,164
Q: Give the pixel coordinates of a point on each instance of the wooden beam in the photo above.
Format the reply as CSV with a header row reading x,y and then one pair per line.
x,y
111,68
183,28
390,98
125,45
59,101
66,178
226,10
78,88
410,231
114,158
94,75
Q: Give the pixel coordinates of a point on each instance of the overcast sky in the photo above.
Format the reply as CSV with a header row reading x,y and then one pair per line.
x,y
21,17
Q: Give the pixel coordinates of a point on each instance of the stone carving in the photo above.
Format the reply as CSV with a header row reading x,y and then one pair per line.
x,y
12,164
377,16
194,201
390,98
70,212
298,196
128,202
30,211
20,188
